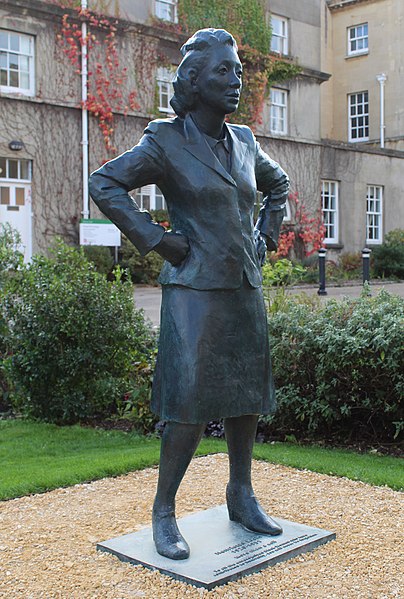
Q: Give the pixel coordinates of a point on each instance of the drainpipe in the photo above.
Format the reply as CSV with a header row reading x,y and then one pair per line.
x,y
84,113
382,80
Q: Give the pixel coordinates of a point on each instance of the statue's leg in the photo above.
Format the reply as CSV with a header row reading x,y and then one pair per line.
x,y
178,445
242,504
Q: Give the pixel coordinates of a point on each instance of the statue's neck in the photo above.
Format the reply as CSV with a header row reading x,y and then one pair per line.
x,y
208,122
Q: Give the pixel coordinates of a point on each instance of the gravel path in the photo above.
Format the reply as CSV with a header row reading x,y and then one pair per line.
x,y
47,542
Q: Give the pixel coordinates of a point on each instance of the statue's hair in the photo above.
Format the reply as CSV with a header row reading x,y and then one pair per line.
x,y
195,52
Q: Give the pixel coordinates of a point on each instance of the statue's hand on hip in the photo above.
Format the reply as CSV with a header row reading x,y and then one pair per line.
x,y
173,247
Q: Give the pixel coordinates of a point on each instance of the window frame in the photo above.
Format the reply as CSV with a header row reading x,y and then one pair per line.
x,y
376,215
358,115
283,37
332,195
357,39
10,89
280,107
14,184
152,192
161,6
164,79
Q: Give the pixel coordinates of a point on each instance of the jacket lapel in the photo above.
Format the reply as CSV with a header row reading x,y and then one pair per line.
x,y
239,149
198,146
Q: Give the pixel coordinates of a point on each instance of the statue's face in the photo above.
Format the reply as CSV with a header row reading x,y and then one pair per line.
x,y
218,84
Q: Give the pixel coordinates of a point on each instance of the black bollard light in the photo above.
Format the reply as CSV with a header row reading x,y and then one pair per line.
x,y
321,271
366,265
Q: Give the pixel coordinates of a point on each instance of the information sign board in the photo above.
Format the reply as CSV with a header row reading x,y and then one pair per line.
x,y
99,232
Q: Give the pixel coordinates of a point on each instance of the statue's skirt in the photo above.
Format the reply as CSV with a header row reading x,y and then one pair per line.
x,y
213,360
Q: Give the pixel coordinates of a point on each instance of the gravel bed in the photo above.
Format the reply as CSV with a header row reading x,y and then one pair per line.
x,y
47,541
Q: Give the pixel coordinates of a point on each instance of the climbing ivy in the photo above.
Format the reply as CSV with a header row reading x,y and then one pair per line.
x,y
247,22
245,19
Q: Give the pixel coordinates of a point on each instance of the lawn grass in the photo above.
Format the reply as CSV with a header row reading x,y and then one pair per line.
x,y
37,457
375,469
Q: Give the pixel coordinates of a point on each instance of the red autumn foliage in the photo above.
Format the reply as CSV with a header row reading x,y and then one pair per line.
x,y
105,82
305,235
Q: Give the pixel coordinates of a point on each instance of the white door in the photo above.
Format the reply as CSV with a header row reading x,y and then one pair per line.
x,y
15,201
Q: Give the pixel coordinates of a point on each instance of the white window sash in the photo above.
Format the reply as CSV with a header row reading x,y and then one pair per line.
x,y
374,214
360,39
154,195
330,210
165,89
167,10
358,116
279,40
18,55
278,111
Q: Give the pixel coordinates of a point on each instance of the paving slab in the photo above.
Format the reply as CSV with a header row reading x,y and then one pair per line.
x,y
221,550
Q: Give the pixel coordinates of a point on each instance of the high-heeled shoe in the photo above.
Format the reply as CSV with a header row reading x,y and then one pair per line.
x,y
167,538
244,508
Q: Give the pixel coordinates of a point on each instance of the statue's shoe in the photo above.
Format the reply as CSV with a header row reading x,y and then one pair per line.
x,y
245,509
167,537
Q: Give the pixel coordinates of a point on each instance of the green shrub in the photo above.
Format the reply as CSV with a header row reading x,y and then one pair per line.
x,y
75,339
281,272
11,261
160,216
144,270
388,258
11,258
339,368
101,257
351,262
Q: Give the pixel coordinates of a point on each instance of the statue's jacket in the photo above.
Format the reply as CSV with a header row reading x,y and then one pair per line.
x,y
214,209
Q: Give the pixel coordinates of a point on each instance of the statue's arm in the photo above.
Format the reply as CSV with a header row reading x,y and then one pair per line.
x,y
274,184
110,184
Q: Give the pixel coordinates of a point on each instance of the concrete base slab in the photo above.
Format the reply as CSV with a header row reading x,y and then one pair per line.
x,y
221,550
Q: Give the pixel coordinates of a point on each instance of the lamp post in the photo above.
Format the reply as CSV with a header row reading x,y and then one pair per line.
x,y
382,80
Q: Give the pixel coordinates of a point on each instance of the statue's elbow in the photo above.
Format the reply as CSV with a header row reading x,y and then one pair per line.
x,y
94,187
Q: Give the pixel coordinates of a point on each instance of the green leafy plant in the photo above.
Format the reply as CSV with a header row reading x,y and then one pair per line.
x,y
101,257
74,339
339,367
11,257
11,262
142,269
388,258
282,272
351,262
135,405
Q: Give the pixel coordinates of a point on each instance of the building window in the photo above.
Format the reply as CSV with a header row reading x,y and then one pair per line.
x,y
15,168
329,206
279,39
165,89
278,111
150,197
167,10
374,214
358,117
15,179
16,63
288,216
358,39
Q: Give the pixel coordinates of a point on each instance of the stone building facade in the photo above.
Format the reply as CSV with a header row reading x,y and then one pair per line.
x,y
306,125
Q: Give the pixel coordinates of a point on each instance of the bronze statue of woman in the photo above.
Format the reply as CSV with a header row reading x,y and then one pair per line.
x,y
213,359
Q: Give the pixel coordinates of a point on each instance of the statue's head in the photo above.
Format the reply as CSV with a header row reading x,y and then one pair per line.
x,y
207,55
